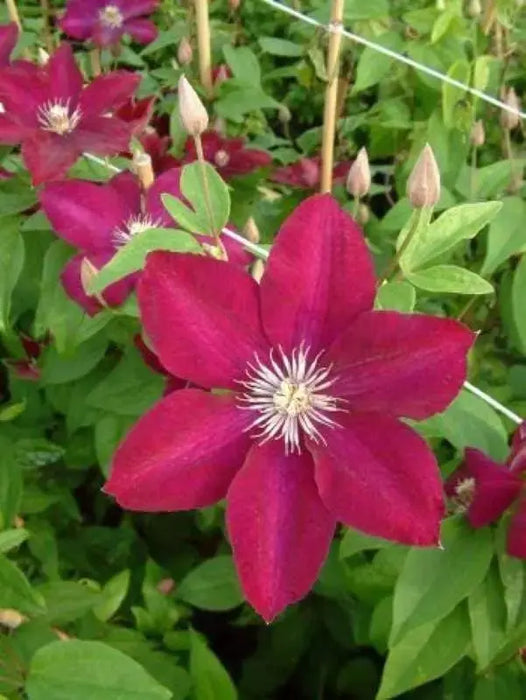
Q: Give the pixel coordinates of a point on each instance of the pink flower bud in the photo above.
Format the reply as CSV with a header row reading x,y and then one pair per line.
x,y
478,135
423,186
166,586
509,120
359,177
474,9
184,52
193,113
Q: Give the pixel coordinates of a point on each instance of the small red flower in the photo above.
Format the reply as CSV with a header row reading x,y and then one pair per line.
x,y
28,368
137,113
56,119
306,173
106,21
306,431
158,148
486,489
8,39
228,156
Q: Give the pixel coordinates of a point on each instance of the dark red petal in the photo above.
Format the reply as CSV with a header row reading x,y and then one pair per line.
x,y
202,317
103,136
279,529
405,365
64,76
136,8
496,488
126,186
108,92
305,173
516,545
141,30
245,161
79,18
106,36
49,156
8,39
167,183
83,213
319,276
182,454
377,475
13,133
23,89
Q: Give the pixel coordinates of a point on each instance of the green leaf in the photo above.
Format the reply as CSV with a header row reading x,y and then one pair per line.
x,y
280,47
355,541
481,71
213,585
373,66
210,202
10,539
449,279
244,64
91,671
513,577
11,484
15,196
112,595
132,256
487,612
11,263
16,591
451,95
507,234
211,680
396,296
518,295
67,601
424,653
60,368
434,581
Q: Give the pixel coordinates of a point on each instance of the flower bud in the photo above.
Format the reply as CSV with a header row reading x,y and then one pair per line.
x,y
221,158
166,586
251,231
184,52
193,113
478,135
88,272
509,120
43,57
11,618
474,9
142,165
423,186
359,177
284,114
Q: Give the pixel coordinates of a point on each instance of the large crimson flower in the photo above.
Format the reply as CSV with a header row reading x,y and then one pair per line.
x,y
486,489
56,119
106,21
307,433
229,156
306,173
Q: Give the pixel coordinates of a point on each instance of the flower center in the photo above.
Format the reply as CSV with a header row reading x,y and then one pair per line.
x,y
290,398
464,493
56,116
133,227
111,16
221,158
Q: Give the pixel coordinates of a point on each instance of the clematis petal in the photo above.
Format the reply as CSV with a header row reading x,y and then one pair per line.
x,y
22,91
49,156
143,31
167,183
79,18
279,528
8,39
83,213
321,266
108,92
245,161
102,136
495,488
377,475
125,185
114,295
65,79
136,8
202,317
516,544
12,132
401,364
105,36
182,454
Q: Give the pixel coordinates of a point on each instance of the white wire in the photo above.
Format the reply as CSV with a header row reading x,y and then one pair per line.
x,y
493,402
396,56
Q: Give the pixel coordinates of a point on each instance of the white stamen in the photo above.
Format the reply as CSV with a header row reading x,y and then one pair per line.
x,y
133,227
111,16
289,397
56,116
464,493
221,158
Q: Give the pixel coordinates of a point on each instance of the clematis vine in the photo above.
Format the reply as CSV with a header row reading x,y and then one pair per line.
x,y
106,21
485,489
306,172
228,156
306,431
56,119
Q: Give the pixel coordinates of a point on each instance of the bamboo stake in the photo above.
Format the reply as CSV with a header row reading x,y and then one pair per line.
x,y
331,96
13,13
44,4
203,43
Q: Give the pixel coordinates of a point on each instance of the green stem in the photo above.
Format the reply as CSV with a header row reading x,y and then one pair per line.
x,y
473,174
206,190
418,218
356,208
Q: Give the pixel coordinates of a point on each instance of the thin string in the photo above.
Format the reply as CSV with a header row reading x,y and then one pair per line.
x,y
264,254
402,58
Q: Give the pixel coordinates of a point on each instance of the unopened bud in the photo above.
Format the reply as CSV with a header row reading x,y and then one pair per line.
x,y
142,165
423,186
11,618
474,9
478,135
363,215
43,56
359,177
251,231
284,114
193,113
257,269
184,52
511,119
221,75
166,586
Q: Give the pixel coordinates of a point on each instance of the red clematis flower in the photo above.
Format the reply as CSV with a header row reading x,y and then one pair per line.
x,y
8,39
28,368
307,433
136,112
229,156
486,489
106,21
153,362
306,173
158,148
56,119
